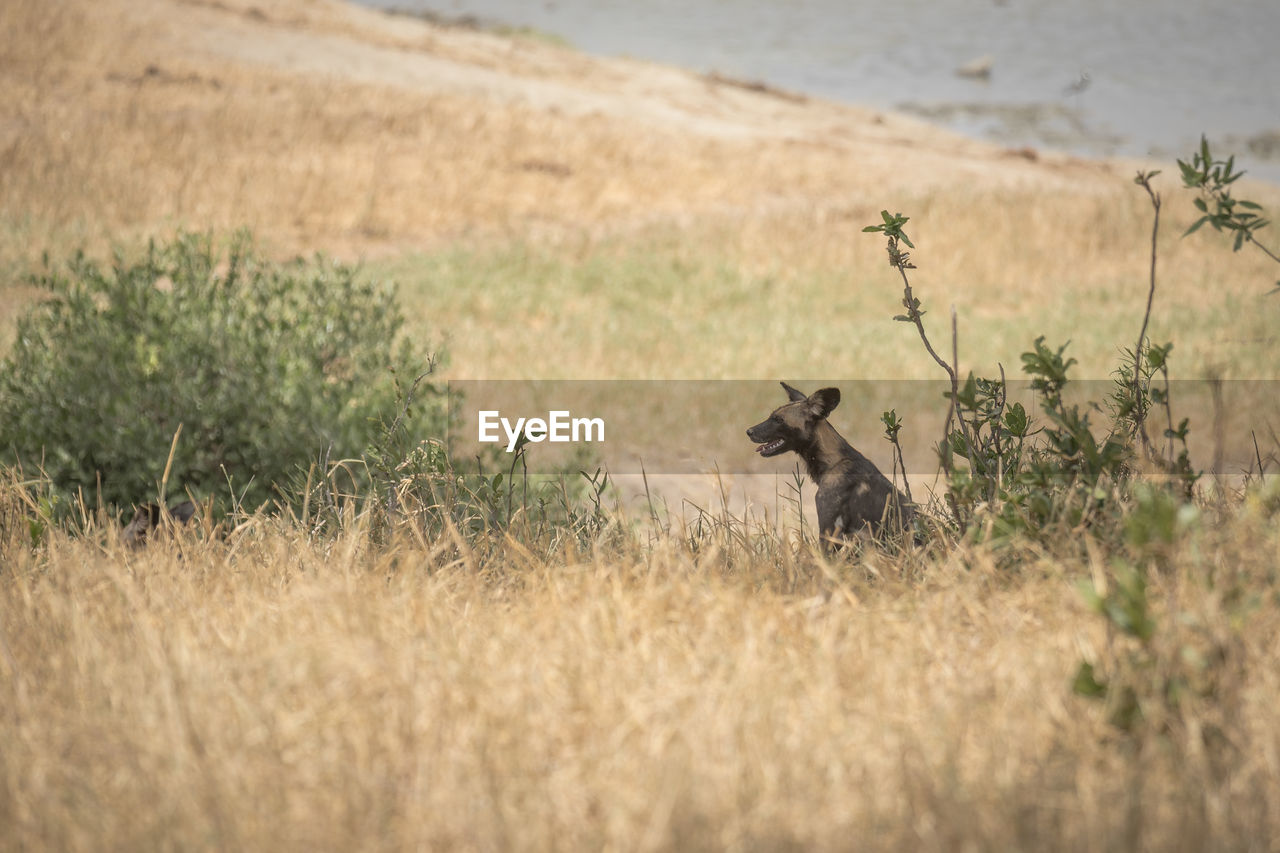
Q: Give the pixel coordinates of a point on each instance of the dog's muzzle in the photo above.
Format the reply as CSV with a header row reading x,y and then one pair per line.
x,y
769,448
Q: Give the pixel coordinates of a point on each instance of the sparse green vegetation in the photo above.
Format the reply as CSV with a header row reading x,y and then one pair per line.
x,y
252,371
1008,477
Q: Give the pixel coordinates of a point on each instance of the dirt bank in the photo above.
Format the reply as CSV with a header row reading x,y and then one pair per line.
x,y
327,125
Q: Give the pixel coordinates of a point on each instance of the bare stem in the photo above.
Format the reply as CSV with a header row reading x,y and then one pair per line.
x,y
1264,249
1144,180
914,314
908,300
953,414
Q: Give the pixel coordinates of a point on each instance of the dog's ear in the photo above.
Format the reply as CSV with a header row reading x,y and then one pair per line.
x,y
792,394
824,401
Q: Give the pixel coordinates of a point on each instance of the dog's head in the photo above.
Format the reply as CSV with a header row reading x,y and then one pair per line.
x,y
791,427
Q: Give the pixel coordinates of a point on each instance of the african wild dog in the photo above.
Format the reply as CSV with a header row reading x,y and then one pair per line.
x,y
149,517
853,496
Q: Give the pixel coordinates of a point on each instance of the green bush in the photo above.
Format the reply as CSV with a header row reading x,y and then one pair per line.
x,y
265,367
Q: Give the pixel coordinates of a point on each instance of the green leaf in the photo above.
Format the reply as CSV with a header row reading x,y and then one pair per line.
x,y
1016,421
1231,177
1190,176
967,395
905,239
1086,683
870,228
1196,227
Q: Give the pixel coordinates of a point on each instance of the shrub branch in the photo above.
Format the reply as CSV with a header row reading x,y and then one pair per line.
x,y
1143,180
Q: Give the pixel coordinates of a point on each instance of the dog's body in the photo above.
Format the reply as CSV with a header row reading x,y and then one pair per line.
x,y
151,517
853,496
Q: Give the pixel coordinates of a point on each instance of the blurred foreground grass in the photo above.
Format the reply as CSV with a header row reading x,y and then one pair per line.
x,y
267,690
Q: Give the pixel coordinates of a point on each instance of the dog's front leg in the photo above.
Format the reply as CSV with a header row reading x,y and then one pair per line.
x,y
830,522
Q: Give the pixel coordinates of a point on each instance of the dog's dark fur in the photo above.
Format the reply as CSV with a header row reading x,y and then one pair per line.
x,y
853,496
151,517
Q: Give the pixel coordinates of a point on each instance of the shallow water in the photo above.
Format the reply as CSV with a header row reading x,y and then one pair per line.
x,y
1094,77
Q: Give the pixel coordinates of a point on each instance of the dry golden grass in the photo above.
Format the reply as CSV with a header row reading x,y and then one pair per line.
x,y
273,693
268,691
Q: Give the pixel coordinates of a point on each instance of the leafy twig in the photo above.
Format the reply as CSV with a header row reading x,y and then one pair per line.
x,y
1213,179
901,261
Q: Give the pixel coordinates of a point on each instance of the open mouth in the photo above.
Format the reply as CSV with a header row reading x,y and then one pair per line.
x,y
771,448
